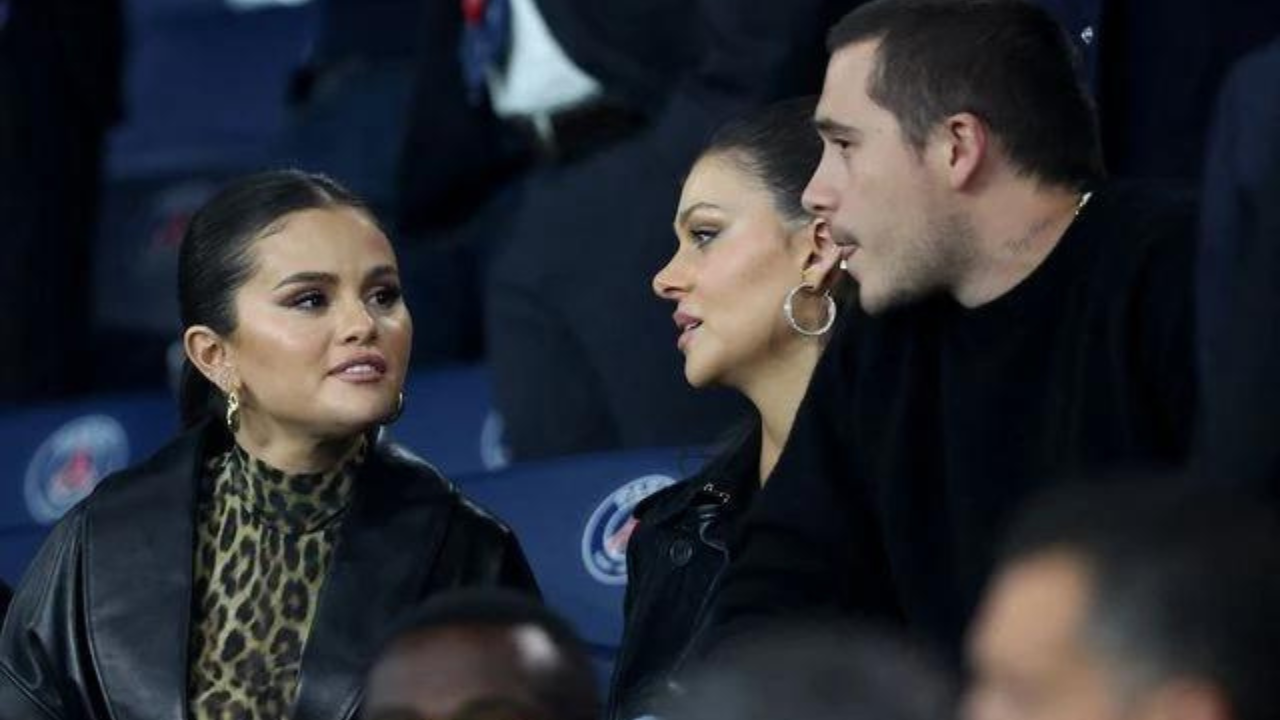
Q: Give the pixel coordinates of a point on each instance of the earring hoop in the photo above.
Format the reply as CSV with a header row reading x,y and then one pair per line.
x,y
788,310
233,411
395,414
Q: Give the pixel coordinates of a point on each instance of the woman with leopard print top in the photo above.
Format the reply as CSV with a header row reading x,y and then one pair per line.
x,y
248,570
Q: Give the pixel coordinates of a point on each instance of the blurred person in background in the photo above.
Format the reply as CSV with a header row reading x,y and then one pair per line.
x,y
1132,601
61,70
752,285
1020,320
280,520
1153,67
482,653
1237,297
813,671
552,153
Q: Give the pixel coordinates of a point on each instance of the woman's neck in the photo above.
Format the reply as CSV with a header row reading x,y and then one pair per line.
x,y
291,452
776,392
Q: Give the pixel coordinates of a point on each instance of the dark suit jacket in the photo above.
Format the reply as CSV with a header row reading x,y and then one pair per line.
x,y
1152,65
98,629
1238,298
686,66
60,90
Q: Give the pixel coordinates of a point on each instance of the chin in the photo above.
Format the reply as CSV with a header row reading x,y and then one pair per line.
x,y
354,418
875,299
697,377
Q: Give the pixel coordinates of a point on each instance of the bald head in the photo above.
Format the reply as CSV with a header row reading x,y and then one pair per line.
x,y
482,656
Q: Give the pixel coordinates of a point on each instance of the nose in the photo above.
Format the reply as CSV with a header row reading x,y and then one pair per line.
x,y
671,281
358,323
819,196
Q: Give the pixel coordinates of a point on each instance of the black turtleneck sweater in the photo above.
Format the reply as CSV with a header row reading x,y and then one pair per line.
x,y
925,428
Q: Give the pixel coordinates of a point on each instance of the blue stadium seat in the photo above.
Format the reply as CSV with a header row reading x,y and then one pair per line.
x,y
205,84
573,517
449,420
54,455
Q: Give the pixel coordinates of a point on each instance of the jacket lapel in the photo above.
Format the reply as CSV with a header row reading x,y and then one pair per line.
x,y
381,567
137,571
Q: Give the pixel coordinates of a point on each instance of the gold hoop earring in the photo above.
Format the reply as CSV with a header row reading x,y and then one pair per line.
x,y
789,311
233,411
395,414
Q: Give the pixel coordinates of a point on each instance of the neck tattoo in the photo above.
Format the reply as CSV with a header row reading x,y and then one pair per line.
x,y
1041,225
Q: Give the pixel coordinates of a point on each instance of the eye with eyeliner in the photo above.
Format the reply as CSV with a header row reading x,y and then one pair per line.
x,y
703,236
386,296
310,299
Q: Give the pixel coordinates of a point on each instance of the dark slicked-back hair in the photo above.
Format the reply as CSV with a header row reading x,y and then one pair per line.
x,y
1184,583
777,145
1008,62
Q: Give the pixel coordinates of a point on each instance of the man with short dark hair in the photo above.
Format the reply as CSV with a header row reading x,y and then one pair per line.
x,y
1020,319
482,653
1133,602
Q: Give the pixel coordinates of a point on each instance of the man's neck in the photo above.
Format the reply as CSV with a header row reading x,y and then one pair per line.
x,y
1015,226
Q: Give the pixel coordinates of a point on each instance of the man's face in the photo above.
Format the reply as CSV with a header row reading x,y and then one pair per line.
x,y
876,191
1028,653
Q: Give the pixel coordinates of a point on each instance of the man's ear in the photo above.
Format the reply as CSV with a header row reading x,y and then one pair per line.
x,y
208,352
822,256
959,147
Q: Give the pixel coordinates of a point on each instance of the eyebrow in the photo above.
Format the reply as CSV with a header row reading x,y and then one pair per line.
x,y
683,217
323,278
826,127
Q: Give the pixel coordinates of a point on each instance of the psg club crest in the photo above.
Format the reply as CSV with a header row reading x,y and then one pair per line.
x,y
604,540
68,465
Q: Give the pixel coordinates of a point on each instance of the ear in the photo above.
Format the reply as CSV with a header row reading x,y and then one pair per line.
x,y
209,353
961,146
821,255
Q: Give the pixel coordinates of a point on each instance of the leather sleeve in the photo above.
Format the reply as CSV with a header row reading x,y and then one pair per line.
x,y
39,643
482,551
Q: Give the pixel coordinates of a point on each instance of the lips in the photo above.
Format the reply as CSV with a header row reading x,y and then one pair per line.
x,y
361,368
687,325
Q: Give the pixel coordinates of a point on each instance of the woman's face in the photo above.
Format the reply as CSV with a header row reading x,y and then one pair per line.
x,y
322,337
737,257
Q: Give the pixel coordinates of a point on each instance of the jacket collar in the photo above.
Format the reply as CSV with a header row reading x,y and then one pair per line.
x,y
139,542
388,546
138,577
732,472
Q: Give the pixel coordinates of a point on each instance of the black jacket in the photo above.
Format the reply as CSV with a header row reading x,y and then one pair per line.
x,y
5,596
98,628
1237,297
674,561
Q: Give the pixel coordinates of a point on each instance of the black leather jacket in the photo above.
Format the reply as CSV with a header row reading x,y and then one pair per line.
x,y
5,595
98,628
674,561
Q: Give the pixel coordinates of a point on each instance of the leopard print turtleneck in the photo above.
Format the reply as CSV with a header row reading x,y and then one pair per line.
x,y
264,542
